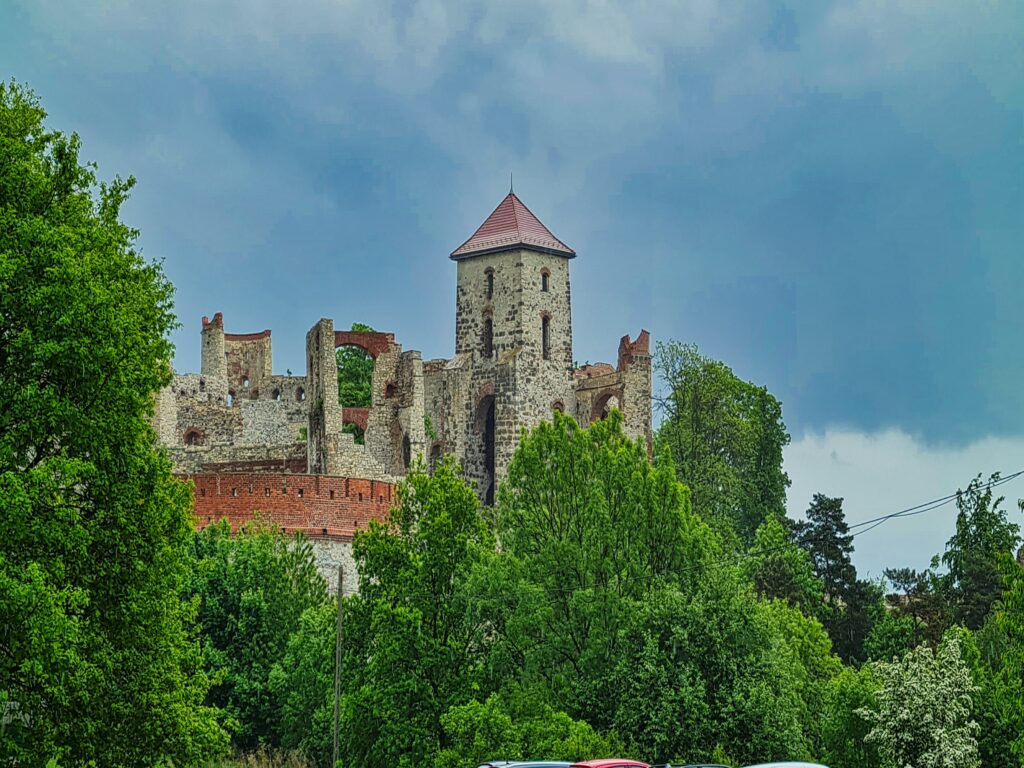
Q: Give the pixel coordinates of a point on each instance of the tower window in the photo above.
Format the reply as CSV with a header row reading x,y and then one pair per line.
x,y
545,332
490,283
488,339
545,279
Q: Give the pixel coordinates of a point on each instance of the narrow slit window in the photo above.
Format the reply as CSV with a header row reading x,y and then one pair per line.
x,y
545,332
488,340
545,278
490,283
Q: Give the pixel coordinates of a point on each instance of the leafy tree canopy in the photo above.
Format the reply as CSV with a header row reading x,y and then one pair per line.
x,y
726,437
252,589
96,658
983,534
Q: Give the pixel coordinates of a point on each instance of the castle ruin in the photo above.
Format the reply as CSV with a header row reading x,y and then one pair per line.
x,y
253,441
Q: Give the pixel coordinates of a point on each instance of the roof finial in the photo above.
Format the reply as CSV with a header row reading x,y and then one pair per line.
x,y
511,190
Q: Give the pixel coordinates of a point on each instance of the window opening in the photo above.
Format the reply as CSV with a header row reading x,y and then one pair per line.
x,y
488,340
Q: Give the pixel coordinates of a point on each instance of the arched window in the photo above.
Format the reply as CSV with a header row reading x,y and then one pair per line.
x,y
245,382
545,334
558,406
231,397
300,394
545,279
193,436
488,337
489,276
276,394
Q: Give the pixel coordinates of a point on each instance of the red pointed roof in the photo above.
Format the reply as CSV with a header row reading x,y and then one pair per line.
x,y
511,226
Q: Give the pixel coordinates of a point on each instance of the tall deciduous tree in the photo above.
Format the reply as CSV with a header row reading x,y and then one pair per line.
x,y
983,535
413,641
96,660
726,436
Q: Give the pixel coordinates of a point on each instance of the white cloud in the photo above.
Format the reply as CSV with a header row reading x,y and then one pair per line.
x,y
885,472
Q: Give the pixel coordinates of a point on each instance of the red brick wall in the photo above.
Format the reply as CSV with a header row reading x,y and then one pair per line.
x,y
319,506
373,342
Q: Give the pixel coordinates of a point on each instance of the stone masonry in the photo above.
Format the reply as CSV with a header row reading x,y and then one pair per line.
x,y
253,441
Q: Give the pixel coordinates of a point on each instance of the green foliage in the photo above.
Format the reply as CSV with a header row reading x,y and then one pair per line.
x,y
923,714
413,643
1010,621
253,589
355,373
983,534
921,596
357,433
517,724
726,437
851,605
589,527
626,613
891,637
844,732
302,682
779,568
96,658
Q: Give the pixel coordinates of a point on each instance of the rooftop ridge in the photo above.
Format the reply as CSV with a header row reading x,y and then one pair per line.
x,y
510,226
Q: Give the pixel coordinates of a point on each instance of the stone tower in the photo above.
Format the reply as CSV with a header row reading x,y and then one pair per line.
x,y
513,335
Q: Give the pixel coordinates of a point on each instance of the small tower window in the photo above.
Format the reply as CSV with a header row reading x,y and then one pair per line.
x,y
545,281
193,437
490,283
545,333
488,339
276,395
245,382
300,394
231,398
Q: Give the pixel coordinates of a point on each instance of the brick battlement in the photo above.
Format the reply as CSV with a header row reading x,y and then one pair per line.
x,y
319,506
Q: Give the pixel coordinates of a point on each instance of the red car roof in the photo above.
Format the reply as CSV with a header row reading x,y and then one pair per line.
x,y
611,763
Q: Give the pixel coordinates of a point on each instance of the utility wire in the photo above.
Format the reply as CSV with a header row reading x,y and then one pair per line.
x,y
730,560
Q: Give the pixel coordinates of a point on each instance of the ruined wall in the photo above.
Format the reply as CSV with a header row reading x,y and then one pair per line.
x,y
627,387
248,359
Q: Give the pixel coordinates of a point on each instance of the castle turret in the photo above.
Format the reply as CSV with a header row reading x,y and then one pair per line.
x,y
513,329
214,361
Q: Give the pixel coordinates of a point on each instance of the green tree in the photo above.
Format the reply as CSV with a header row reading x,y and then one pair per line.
x,y
844,732
355,373
414,643
590,526
302,682
983,535
1010,621
517,724
851,605
611,594
726,437
253,589
97,662
779,568
923,714
921,596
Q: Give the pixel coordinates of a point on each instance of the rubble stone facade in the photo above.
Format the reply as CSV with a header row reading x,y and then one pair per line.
x,y
253,441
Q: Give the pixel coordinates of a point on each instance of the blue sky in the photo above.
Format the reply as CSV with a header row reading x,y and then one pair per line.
x,y
827,196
